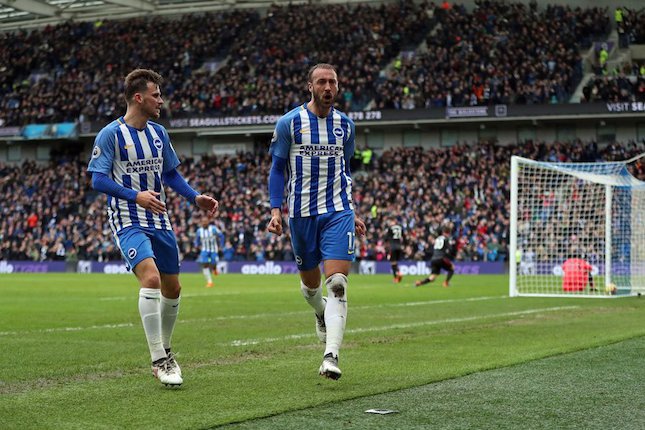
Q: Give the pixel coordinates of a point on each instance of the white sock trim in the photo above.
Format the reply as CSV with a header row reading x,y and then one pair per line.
x,y
169,310
314,297
207,274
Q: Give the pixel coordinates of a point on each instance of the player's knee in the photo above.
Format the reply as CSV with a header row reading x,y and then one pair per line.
x,y
337,284
151,280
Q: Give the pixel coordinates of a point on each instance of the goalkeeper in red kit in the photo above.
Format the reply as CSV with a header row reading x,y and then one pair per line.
x,y
577,274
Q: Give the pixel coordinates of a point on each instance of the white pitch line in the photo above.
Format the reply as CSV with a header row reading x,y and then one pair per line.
x,y
243,317
66,329
185,295
399,326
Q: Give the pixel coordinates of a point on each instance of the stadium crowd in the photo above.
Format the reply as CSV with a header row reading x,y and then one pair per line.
x,y
52,213
239,62
500,53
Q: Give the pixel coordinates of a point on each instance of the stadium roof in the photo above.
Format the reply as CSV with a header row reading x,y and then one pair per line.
x,y
25,14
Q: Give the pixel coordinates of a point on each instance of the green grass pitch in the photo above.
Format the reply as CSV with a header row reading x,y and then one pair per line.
x,y
468,356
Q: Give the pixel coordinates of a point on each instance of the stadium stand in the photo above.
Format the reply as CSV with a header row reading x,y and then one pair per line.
x,y
398,55
55,215
213,63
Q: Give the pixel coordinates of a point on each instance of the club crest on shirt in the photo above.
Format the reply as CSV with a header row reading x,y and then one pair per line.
x,y
132,253
96,152
338,132
157,143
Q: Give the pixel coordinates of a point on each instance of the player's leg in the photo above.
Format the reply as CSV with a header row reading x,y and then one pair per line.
x,y
169,304
435,269
393,267
450,268
590,281
206,271
149,306
136,247
395,272
395,257
214,261
304,240
426,280
165,248
336,272
337,248
311,288
150,310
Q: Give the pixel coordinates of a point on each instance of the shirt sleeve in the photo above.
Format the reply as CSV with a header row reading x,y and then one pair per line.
x,y
350,146
281,141
170,160
103,152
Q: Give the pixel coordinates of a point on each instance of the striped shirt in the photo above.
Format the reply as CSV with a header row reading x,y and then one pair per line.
x,y
317,151
134,159
206,238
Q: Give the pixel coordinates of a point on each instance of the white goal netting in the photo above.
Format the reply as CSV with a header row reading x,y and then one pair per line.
x,y
590,211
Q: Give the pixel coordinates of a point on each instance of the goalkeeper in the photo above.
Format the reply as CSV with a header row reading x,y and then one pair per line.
x,y
577,275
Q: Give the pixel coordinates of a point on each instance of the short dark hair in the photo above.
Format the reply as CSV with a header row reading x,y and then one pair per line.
x,y
137,81
319,66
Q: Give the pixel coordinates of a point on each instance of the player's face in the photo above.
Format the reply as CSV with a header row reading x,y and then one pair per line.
x,y
151,100
204,222
324,87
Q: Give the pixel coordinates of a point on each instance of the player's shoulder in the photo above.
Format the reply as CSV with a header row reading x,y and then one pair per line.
x,y
344,116
110,128
108,132
288,117
160,129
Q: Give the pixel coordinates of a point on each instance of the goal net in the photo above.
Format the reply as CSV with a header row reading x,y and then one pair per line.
x,y
589,211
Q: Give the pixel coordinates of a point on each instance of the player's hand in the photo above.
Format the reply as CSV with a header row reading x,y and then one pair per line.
x,y
359,226
275,225
208,204
150,200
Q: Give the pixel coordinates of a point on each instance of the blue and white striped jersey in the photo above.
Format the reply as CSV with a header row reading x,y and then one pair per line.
x,y
206,238
134,159
318,151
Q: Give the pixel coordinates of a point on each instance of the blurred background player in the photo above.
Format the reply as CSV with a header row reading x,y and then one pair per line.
x,y
527,262
577,275
207,237
131,161
316,142
395,244
442,255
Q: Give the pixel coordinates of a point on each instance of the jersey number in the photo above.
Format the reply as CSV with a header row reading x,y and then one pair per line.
x,y
350,239
438,243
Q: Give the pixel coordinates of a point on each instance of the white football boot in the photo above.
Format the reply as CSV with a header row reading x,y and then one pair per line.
x,y
172,361
329,367
166,373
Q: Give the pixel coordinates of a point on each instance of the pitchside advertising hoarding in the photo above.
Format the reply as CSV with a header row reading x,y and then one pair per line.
x,y
407,268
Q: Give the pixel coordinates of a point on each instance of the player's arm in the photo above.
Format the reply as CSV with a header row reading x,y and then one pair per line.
x,y
348,153
279,150
350,146
174,180
220,236
276,193
171,177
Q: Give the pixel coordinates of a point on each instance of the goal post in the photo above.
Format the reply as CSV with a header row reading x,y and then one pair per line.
x,y
589,211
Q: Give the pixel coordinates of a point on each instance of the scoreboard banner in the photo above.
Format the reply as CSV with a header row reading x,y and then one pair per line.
x,y
407,268
443,115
